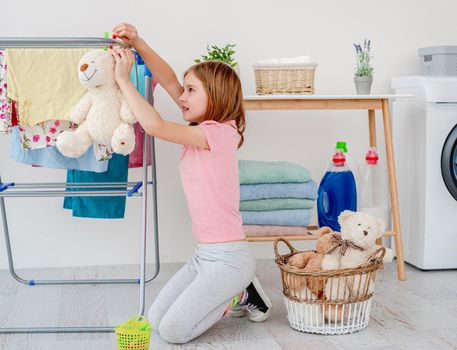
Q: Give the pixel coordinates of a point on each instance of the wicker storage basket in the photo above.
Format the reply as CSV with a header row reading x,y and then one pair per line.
x,y
349,291
289,78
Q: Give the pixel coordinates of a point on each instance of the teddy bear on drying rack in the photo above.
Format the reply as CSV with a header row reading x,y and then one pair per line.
x,y
102,115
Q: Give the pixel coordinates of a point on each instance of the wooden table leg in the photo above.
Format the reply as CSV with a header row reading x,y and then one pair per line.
x,y
393,190
373,143
372,127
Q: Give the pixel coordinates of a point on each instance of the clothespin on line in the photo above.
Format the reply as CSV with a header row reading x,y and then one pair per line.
x,y
106,35
138,57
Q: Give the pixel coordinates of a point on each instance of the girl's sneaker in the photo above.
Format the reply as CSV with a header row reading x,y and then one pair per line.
x,y
257,303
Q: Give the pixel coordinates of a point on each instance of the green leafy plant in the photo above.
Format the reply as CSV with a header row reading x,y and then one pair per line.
x,y
215,53
364,56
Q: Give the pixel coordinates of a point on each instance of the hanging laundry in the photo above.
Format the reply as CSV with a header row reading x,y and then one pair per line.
x,y
50,157
136,157
99,207
14,120
114,208
43,134
44,82
5,102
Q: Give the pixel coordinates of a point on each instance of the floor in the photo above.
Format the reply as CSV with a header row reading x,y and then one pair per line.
x,y
420,313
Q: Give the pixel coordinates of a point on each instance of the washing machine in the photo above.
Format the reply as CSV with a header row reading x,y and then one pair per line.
x,y
424,131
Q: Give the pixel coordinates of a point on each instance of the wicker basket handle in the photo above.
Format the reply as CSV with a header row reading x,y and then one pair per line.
x,y
377,255
275,246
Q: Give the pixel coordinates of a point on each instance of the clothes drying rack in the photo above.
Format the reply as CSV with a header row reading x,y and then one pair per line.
x,y
107,189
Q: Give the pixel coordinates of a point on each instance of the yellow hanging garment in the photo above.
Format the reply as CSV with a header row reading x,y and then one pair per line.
x,y
44,82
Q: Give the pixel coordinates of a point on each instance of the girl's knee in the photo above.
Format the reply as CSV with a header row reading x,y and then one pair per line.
x,y
173,332
153,318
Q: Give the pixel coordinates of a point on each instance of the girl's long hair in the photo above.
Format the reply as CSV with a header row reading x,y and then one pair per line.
x,y
225,96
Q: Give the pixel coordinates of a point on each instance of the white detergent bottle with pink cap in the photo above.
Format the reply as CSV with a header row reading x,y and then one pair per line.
x,y
373,196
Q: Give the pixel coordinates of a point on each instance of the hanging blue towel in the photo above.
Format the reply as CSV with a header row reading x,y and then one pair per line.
x,y
281,190
139,84
99,207
50,157
292,217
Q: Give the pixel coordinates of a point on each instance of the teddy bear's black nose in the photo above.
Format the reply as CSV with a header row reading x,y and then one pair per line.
x,y
365,233
83,67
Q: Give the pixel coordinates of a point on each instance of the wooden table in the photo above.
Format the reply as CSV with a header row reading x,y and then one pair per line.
x,y
344,102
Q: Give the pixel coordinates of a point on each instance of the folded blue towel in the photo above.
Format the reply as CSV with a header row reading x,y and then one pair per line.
x,y
282,190
292,217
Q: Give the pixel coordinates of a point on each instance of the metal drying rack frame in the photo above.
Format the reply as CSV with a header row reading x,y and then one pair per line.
x,y
107,189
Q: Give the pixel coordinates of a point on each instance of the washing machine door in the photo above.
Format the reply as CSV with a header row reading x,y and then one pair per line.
x,y
449,162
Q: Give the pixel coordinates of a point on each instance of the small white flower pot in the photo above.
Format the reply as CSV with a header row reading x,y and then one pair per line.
x,y
363,84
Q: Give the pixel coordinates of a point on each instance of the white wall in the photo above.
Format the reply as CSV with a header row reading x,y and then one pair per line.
x,y
43,234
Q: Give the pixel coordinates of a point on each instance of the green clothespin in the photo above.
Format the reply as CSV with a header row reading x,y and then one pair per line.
x,y
106,36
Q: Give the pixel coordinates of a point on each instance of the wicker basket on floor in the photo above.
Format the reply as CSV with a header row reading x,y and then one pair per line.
x,y
346,309
284,78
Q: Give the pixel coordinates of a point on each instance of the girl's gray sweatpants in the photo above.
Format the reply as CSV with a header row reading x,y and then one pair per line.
x,y
196,297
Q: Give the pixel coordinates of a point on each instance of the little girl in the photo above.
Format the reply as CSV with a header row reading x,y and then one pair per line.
x,y
220,276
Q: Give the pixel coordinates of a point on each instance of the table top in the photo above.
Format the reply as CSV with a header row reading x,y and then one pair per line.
x,y
323,97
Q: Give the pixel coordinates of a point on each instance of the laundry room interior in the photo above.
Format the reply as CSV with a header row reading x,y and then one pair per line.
x,y
281,177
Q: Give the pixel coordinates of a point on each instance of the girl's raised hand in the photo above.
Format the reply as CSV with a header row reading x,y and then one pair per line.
x,y
124,61
127,33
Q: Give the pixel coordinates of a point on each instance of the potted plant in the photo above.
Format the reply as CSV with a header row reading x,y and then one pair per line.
x,y
224,54
364,71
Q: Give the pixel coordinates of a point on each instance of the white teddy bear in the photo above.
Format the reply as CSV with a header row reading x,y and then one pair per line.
x,y
362,230
103,115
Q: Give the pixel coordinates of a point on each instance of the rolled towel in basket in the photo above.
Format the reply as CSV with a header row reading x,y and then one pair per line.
x,y
279,190
292,217
262,172
274,230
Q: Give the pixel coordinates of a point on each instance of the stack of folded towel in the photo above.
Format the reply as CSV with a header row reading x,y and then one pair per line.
x,y
276,198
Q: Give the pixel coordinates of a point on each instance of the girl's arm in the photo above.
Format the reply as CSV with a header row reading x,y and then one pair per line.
x,y
164,74
150,120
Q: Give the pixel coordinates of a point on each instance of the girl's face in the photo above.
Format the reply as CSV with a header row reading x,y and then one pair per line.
x,y
194,99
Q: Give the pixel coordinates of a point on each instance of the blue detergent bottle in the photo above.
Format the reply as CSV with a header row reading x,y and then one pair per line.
x,y
337,192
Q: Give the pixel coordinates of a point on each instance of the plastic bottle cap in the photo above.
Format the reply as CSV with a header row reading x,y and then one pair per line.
x,y
342,145
339,159
372,157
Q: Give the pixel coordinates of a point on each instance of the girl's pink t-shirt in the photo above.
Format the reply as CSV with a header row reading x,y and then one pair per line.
x,y
211,184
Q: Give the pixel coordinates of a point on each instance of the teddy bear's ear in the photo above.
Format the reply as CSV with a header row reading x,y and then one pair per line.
x,y
343,216
325,230
381,227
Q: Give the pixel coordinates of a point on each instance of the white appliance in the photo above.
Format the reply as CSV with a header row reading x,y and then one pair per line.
x,y
425,146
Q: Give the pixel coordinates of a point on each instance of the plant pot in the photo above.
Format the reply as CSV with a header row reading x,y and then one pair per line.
x,y
363,84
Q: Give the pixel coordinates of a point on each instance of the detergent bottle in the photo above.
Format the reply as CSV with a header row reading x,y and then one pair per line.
x,y
373,187
337,192
353,166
